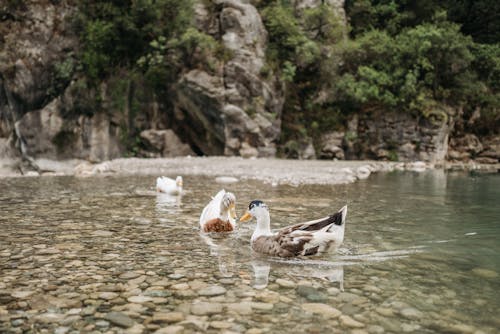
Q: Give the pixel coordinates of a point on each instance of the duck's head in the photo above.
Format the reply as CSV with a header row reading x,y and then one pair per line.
x,y
178,181
256,208
228,204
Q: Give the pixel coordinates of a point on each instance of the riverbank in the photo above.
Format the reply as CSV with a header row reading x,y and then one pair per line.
x,y
273,171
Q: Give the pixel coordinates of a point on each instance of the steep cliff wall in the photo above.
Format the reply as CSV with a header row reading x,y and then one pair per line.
x,y
48,109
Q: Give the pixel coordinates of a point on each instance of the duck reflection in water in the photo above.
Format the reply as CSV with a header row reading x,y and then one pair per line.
x,y
222,246
330,271
166,203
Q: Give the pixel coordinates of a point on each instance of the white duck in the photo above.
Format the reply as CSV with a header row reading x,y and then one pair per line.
x,y
169,186
309,238
219,215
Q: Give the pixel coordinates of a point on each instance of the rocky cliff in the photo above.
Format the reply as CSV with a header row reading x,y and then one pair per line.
x,y
48,109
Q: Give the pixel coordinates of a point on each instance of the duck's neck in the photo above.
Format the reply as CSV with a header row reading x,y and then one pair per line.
x,y
226,217
263,227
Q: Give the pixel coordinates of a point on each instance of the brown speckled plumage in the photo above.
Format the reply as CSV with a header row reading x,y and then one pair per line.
x,y
217,225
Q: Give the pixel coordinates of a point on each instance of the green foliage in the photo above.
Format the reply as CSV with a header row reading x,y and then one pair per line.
x,y
118,34
429,61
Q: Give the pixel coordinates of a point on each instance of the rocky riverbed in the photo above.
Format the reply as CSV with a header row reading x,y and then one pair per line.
x,y
103,255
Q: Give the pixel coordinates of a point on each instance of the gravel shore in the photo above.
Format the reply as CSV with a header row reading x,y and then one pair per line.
x,y
273,171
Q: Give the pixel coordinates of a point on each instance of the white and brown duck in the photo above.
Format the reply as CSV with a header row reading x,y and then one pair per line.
x,y
309,238
220,214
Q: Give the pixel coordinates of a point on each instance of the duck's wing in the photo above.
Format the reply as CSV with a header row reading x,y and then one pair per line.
x,y
165,184
313,237
212,210
337,218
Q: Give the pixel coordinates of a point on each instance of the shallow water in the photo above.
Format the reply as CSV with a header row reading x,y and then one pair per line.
x,y
420,255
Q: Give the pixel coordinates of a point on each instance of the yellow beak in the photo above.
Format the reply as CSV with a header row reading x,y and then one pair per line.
x,y
246,217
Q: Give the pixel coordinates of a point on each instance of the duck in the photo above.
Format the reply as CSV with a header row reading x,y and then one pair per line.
x,y
220,214
169,186
310,238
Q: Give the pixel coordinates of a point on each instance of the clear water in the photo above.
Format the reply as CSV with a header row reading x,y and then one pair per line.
x,y
420,255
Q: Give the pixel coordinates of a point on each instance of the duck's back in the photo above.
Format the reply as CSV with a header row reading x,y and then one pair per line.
x,y
212,210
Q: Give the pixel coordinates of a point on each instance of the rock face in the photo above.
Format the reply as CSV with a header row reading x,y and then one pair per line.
x,y
234,111
36,40
48,110
399,136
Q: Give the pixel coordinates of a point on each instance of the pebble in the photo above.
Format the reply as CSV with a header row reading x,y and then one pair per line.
x,y
21,294
180,286
119,319
323,309
176,276
139,299
220,324
311,294
347,321
262,306
168,317
485,273
213,290
108,295
385,311
243,308
205,308
286,283
411,313
175,329
376,329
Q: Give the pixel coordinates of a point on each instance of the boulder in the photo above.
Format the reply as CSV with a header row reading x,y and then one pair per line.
x,y
165,142
231,111
331,144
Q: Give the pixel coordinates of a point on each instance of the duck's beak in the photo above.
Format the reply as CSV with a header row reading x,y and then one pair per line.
x,y
232,211
179,183
246,217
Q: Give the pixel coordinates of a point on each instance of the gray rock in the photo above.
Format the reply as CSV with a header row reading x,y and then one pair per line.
x,y
311,294
120,319
166,142
213,290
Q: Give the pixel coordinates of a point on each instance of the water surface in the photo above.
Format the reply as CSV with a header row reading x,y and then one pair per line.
x,y
107,254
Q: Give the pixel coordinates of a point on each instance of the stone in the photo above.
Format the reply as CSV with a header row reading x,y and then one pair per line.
x,y
21,294
175,329
119,319
108,295
165,142
220,324
485,273
139,299
311,294
286,283
331,145
213,290
168,317
323,309
347,321
243,308
411,313
262,306
180,286
206,308
268,296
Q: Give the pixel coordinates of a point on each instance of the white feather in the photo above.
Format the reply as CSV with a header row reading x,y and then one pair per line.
x,y
212,210
169,186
